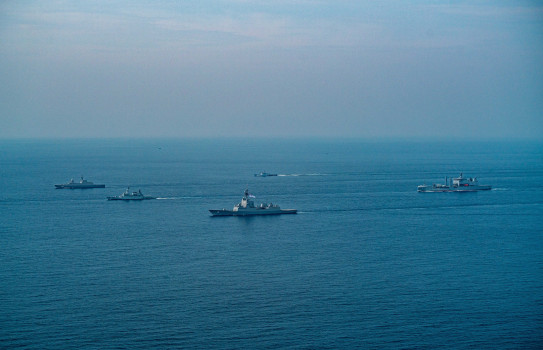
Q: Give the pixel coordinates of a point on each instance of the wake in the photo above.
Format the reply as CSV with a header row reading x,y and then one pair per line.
x,y
316,174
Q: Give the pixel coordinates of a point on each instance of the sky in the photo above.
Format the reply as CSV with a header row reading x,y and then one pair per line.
x,y
271,68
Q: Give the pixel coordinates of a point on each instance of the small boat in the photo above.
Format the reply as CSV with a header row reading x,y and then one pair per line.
x,y
264,174
130,196
82,184
247,208
459,184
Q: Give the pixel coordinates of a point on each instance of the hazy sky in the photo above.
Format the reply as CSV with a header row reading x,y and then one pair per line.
x,y
343,68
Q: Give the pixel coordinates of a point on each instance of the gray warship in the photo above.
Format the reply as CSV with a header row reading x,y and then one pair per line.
x,y
247,208
264,174
459,184
82,184
130,196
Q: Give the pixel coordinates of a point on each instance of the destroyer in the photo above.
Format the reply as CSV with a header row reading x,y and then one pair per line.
x,y
247,207
130,196
459,184
81,184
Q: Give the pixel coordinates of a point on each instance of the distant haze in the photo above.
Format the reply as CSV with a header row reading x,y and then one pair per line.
x,y
332,68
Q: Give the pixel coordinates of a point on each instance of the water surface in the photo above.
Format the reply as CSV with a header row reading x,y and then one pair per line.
x,y
367,263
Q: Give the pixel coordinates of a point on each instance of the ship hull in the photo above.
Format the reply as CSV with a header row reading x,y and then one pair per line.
x,y
78,187
127,199
258,212
455,189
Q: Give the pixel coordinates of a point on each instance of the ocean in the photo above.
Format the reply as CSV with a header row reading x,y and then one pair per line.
x,y
367,263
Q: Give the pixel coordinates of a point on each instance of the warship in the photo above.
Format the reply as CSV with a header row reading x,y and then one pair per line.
x,y
130,196
247,208
264,174
459,184
80,185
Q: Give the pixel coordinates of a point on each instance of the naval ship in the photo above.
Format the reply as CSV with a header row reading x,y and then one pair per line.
x,y
130,196
459,184
264,174
247,207
81,184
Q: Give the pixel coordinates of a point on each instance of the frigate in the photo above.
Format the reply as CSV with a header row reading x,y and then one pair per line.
x,y
82,184
130,196
264,174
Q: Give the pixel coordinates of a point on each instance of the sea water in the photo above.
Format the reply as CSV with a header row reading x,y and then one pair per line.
x,y
366,263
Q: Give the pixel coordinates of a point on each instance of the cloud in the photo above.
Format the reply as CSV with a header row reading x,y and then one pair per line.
x,y
260,25
179,67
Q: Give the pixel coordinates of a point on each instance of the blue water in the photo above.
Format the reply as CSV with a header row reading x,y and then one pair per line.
x,y
366,263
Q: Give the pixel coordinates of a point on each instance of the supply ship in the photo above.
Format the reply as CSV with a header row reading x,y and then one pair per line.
x,y
459,184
